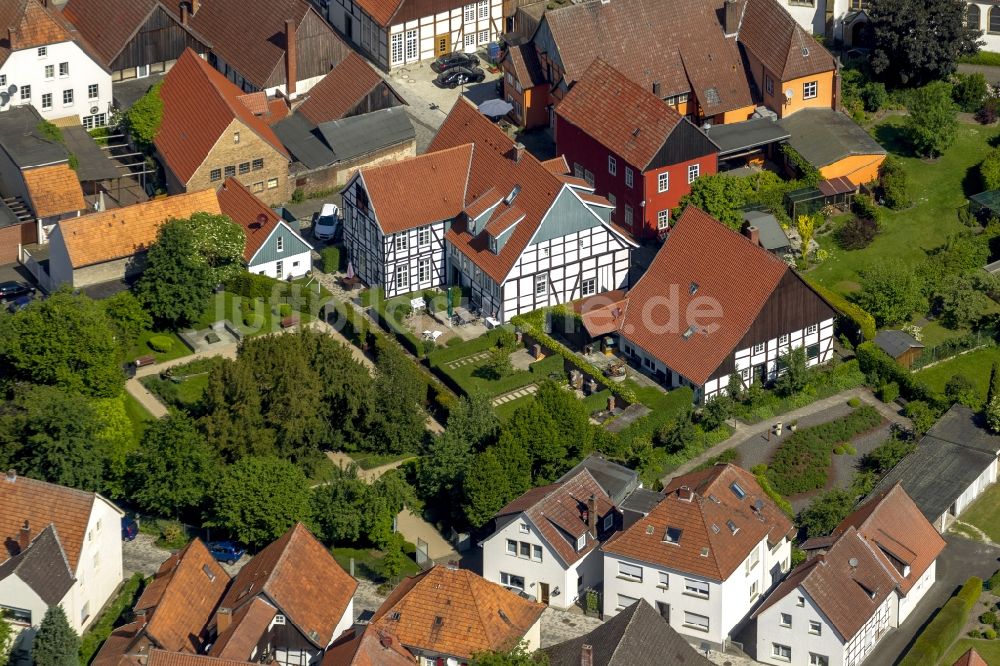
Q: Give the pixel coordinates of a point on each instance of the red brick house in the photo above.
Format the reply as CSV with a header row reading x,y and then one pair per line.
x,y
643,161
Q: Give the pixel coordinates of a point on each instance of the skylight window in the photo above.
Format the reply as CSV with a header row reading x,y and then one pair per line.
x,y
712,97
737,490
208,572
673,535
689,332
732,527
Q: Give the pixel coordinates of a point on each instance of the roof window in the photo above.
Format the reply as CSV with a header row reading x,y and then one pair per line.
x,y
208,572
732,527
737,490
673,535
689,332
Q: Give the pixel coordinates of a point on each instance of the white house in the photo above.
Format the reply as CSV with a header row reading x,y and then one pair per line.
x,y
546,542
404,32
986,17
45,63
857,584
478,210
62,547
713,303
955,462
703,557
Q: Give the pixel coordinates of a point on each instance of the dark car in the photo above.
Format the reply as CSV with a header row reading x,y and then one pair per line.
x,y
20,303
455,59
459,76
225,551
129,528
11,290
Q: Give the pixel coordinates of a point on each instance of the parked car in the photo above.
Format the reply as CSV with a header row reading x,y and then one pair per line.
x,y
130,528
454,59
20,302
325,226
225,551
11,290
460,75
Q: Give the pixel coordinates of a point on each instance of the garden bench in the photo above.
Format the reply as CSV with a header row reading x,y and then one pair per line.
x,y
288,322
143,361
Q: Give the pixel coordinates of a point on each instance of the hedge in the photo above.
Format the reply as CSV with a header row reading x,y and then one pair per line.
x,y
776,497
161,343
864,321
993,584
801,462
94,637
944,629
880,368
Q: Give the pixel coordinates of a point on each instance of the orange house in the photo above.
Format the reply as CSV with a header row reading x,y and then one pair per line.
x,y
834,144
525,87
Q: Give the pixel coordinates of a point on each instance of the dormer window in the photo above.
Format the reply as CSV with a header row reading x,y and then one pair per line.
x,y
906,570
581,542
609,521
493,245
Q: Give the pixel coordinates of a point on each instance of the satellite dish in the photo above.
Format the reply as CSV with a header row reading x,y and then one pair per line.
x,y
853,562
4,98
788,93
12,89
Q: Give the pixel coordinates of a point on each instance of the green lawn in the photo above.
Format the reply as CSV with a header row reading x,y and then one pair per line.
x,y
138,415
985,513
934,334
373,460
469,376
974,365
226,305
183,395
142,348
988,650
368,563
937,189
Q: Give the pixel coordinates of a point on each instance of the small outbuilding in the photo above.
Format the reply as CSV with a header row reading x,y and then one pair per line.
x,y
900,345
770,235
834,144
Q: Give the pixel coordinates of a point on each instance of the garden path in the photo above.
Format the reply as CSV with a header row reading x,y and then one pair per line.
x,y
515,394
372,475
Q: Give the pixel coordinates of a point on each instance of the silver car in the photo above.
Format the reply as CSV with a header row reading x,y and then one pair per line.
x,y
326,224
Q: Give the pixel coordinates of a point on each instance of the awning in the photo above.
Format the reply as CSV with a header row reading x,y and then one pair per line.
x,y
835,186
750,134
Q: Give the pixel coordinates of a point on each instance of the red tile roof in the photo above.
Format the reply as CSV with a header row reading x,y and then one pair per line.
x,y
455,612
199,105
702,505
341,90
182,597
369,648
54,190
770,33
847,595
163,658
728,271
557,165
42,504
898,533
31,25
527,69
424,189
381,11
115,650
298,575
247,626
971,658
594,106
255,217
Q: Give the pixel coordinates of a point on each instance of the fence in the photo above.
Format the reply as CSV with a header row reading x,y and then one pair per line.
x,y
984,337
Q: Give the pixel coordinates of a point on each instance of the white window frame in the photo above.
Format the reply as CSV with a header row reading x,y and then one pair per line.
x,y
411,39
272,183
663,219
469,13
280,243
396,48
50,72
630,572
612,165
581,542
609,520
629,218
25,93
484,37
512,580
778,652
818,659
629,176
279,269
613,200
588,288
664,579
512,547
541,284
93,91
43,51
624,601
694,170
785,620
402,277
536,553
424,270
46,101
697,621
663,181
815,627
523,528
483,7
810,90
401,242
63,70
759,348
67,95
697,588
470,40
811,329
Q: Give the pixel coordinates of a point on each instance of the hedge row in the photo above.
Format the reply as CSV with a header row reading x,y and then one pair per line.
x,y
94,637
776,497
881,369
801,462
865,322
944,629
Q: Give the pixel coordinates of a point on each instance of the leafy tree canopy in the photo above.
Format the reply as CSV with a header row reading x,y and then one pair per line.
x,y
144,117
176,283
219,242
932,122
520,655
128,316
891,292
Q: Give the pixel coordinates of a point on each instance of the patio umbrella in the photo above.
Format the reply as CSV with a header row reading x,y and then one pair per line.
x,y
494,108
350,270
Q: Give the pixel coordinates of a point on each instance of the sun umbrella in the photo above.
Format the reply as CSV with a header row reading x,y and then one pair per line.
x,y
350,270
495,108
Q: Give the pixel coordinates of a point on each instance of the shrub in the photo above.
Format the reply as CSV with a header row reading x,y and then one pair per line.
x,y
857,233
849,449
865,207
888,392
969,91
874,96
330,256
864,322
942,631
974,633
249,320
284,310
990,634
880,368
892,183
989,170
251,285
838,450
298,196
993,584
989,111
161,343
989,617
854,402
248,305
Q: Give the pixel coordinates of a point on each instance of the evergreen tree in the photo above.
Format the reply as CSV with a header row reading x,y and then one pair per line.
x,y
400,393
176,283
487,488
56,644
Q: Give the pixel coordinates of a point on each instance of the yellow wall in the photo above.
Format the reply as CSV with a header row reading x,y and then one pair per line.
x,y
737,115
859,169
823,99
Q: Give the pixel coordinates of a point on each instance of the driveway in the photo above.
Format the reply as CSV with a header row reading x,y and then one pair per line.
x,y
142,555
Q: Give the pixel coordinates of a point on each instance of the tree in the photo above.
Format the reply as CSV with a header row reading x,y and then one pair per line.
x,y
56,644
932,122
989,170
6,638
916,42
176,283
994,389
520,655
735,387
890,292
893,183
128,317
961,390
142,120
723,197
886,455
497,364
993,414
825,512
962,301
969,91
716,412
806,224
173,471
66,341
394,559
487,488
400,393
258,498
115,440
921,414
219,242
795,371
676,434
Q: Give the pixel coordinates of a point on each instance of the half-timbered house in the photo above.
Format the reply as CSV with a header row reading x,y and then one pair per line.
x,y
135,38
403,32
478,210
714,303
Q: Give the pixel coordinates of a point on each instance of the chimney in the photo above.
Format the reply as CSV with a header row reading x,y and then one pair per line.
x,y
223,618
291,71
753,233
24,537
586,655
656,88
732,17
518,151
184,13
10,38
592,515
195,6
11,475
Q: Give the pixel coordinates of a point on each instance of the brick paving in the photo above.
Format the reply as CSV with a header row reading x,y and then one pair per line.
x,y
514,395
467,360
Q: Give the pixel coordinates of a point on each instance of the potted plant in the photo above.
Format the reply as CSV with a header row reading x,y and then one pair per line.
x,y
793,425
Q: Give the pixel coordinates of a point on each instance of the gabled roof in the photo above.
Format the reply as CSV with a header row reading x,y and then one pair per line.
x,y
970,658
964,426
527,69
255,217
54,190
42,504
299,576
199,104
109,37
692,53
424,189
895,342
244,632
367,648
699,514
341,90
43,567
637,636
182,597
164,658
897,533
114,651
31,25
724,266
847,583
826,136
616,480
770,33
594,106
455,612
123,232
